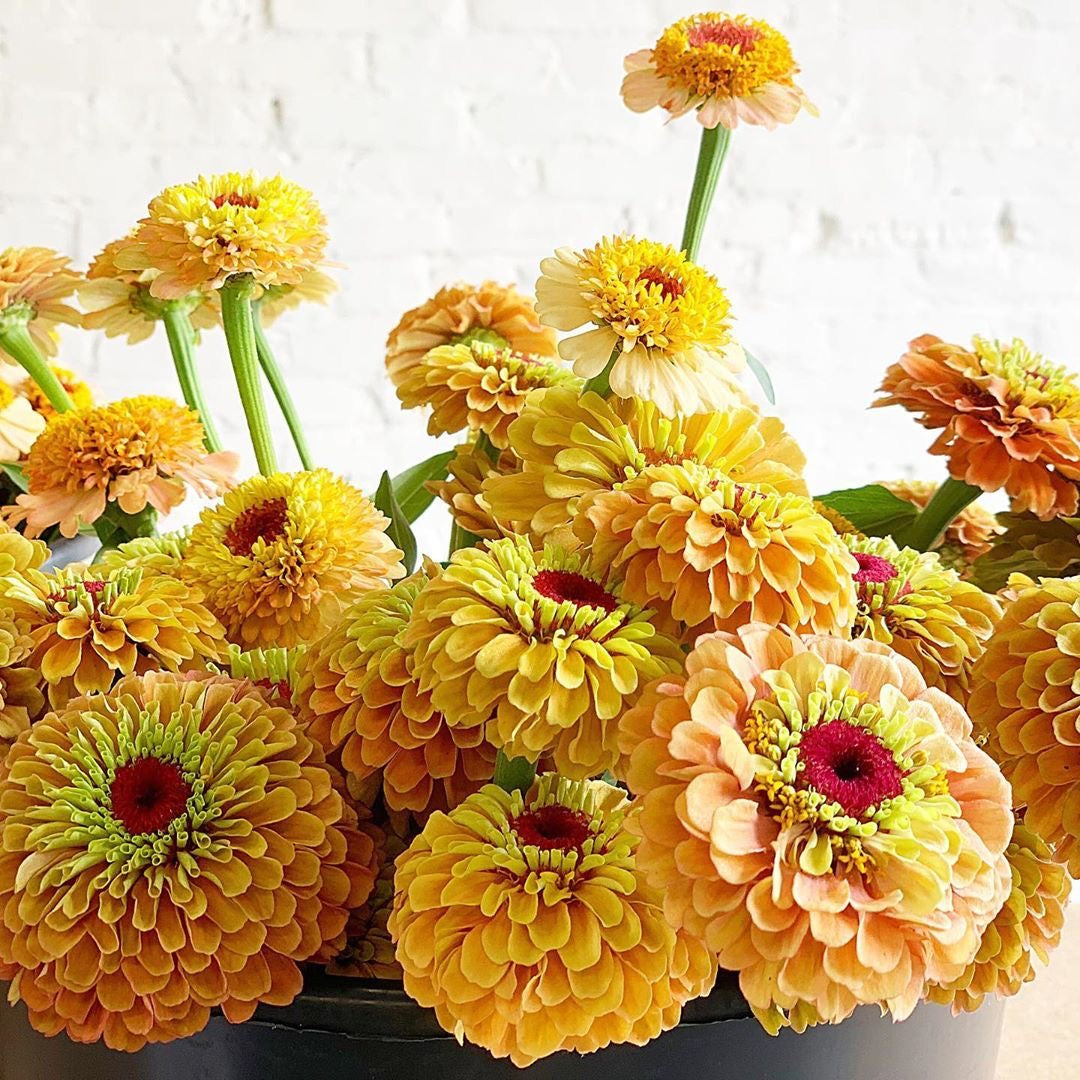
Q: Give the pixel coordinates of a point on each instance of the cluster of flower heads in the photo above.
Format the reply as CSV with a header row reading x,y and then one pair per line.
x,y
261,741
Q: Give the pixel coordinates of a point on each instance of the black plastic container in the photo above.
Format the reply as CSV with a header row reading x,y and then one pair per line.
x,y
341,1029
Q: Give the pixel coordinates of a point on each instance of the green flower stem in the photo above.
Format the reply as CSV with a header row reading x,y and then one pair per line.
x,y
483,441
601,384
181,335
236,318
16,341
285,401
514,774
948,501
713,150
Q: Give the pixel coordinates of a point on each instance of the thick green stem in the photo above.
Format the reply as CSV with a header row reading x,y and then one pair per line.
x,y
181,335
514,774
239,327
16,341
713,150
601,384
281,392
948,501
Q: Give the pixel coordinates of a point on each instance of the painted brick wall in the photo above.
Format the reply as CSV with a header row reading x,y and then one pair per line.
x,y
467,138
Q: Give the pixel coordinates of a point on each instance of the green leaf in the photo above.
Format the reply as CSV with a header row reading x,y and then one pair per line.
x,y
762,375
409,490
14,472
398,530
872,509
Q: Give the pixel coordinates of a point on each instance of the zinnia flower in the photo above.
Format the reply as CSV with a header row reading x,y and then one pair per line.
x,y
909,600
120,302
136,452
704,548
20,425
1028,927
571,447
822,818
969,534
477,386
1010,419
1030,547
527,926
368,952
462,492
21,699
198,235
1024,697
727,67
274,671
88,627
669,319
35,283
81,395
282,555
171,847
538,647
359,697
459,314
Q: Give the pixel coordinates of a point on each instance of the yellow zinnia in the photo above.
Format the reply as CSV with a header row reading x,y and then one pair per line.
x,y
20,423
467,472
282,555
571,447
668,319
198,235
536,646
525,923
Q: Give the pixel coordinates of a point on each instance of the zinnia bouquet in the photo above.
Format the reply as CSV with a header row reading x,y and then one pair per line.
x,y
660,711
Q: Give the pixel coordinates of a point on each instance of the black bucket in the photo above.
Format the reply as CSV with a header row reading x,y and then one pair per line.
x,y
344,1029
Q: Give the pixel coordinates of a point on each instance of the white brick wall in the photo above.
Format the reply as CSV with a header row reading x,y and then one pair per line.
x,y
467,138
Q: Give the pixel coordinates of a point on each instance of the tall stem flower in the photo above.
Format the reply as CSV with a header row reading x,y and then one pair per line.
x,y
268,363
711,155
181,335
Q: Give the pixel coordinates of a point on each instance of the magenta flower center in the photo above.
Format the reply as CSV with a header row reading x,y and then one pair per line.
x,y
873,569
727,32
670,286
147,794
266,521
552,828
564,586
849,765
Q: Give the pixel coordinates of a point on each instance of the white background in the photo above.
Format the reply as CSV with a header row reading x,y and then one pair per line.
x,y
450,139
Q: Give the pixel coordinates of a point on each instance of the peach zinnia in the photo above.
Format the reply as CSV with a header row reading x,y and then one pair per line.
x,y
1025,699
727,67
823,819
136,452
35,286
359,698
459,314
171,847
527,925
707,551
1009,418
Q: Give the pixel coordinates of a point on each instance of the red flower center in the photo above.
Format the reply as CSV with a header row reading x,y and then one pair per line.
x,y
727,32
266,521
562,585
94,588
234,198
552,828
147,794
849,765
873,568
279,691
670,286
